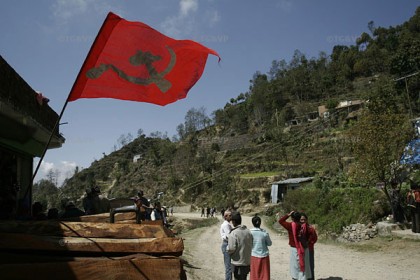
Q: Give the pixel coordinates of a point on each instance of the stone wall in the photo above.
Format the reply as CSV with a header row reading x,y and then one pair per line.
x,y
358,232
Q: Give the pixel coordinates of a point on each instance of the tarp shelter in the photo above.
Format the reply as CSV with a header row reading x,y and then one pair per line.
x,y
411,153
280,188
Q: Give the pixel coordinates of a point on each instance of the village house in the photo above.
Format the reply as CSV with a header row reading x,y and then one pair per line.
x,y
280,188
345,109
26,124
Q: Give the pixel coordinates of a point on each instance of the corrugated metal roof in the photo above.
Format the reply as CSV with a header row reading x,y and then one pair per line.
x,y
293,181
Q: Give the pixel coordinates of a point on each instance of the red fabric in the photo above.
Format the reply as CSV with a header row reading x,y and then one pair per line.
x,y
288,227
132,61
296,228
260,268
313,238
417,195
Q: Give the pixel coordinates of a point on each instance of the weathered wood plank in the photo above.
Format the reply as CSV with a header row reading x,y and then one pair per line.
x,y
7,257
104,218
18,241
143,268
86,229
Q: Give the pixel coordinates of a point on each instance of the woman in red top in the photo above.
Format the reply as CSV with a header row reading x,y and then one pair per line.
x,y
298,241
312,239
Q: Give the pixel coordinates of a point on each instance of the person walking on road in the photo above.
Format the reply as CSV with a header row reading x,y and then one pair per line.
x,y
260,259
225,229
312,239
298,241
239,247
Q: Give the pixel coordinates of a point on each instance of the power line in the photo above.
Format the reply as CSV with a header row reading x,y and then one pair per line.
x,y
406,89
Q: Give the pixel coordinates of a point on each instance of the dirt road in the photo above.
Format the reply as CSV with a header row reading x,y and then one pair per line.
x,y
381,259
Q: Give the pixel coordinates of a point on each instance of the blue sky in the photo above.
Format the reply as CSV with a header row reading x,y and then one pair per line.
x,y
46,42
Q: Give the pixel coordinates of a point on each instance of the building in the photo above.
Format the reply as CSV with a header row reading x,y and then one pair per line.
x,y
280,188
136,158
344,109
26,124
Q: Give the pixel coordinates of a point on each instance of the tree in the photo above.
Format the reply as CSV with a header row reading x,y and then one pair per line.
x,y
378,142
158,134
195,120
363,41
180,129
53,175
46,192
122,140
379,137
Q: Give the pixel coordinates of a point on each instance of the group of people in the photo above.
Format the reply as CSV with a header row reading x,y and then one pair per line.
x,y
208,212
154,211
69,211
245,251
412,201
93,202
302,238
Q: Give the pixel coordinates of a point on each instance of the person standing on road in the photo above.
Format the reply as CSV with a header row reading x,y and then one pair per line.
x,y
239,247
143,205
298,239
397,210
260,259
225,229
415,206
312,239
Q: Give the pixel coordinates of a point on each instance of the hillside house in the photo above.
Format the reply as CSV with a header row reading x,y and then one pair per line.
x,y
26,123
137,158
345,109
280,188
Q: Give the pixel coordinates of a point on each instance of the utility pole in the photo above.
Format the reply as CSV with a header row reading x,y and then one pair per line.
x,y
406,89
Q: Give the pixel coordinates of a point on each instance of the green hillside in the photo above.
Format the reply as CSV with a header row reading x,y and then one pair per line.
x,y
276,130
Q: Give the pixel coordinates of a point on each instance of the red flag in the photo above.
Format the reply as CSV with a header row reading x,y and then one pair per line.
x,y
132,61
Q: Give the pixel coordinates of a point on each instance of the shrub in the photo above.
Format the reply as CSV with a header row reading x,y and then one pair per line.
x,y
333,208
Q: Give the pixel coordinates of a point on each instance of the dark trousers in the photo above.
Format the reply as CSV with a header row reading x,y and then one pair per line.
x,y
240,272
312,263
415,218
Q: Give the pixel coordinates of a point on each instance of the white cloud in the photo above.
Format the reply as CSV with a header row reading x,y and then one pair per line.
x,y
187,6
176,26
183,22
46,166
65,10
64,169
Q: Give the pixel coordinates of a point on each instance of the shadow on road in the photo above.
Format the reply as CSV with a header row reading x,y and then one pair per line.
x,y
186,264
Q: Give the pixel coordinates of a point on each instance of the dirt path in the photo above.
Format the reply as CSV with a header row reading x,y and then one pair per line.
x,y
384,259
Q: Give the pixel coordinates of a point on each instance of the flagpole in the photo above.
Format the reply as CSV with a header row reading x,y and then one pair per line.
x,y
62,112
49,141
45,150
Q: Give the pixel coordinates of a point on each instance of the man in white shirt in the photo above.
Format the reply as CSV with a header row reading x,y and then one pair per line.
x,y
225,229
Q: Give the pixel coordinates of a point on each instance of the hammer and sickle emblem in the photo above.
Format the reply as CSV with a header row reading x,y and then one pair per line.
x,y
140,58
